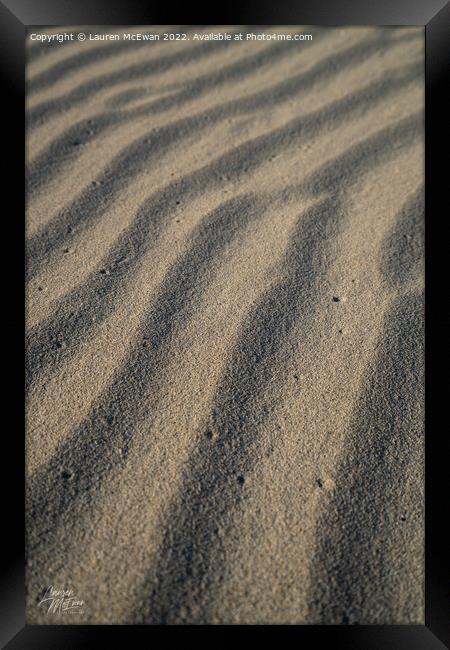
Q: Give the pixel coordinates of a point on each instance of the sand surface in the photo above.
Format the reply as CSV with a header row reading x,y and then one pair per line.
x,y
224,328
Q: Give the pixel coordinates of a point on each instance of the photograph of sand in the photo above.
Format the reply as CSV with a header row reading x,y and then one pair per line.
x,y
224,315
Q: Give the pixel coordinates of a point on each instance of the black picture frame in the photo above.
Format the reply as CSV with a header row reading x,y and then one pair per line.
x,y
15,17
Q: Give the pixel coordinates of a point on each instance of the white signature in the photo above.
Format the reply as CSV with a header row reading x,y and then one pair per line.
x,y
61,601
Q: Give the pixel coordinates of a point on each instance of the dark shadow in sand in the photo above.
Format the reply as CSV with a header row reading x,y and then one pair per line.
x,y
350,575
103,440
63,149
55,340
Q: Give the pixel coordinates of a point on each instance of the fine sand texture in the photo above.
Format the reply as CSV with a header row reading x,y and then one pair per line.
x,y
224,366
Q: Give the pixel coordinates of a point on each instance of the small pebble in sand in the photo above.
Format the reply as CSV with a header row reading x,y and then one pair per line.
x,y
67,474
336,299
240,479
